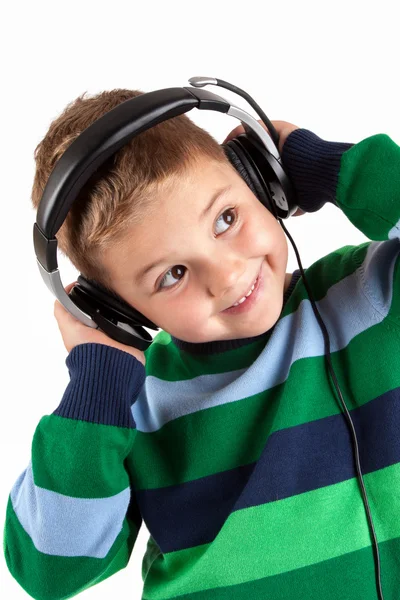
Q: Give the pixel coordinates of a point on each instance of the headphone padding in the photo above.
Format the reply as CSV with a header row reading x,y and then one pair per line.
x,y
237,157
111,300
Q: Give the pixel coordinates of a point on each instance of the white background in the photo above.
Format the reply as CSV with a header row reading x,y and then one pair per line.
x,y
332,68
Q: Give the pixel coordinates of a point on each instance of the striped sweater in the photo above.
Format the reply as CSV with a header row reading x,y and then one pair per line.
x,y
236,454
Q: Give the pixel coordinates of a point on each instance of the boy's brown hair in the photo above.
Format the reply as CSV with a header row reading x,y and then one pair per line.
x,y
123,187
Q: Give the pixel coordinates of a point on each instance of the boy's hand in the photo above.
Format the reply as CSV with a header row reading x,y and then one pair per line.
x,y
74,332
283,128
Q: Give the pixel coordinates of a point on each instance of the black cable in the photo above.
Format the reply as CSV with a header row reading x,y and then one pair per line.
x,y
347,414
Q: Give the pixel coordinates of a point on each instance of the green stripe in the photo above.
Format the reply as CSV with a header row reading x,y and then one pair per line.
x,y
358,186
273,530
326,272
394,313
46,577
162,337
357,191
66,453
351,576
169,363
159,463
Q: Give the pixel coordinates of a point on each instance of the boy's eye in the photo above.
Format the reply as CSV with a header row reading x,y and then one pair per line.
x,y
178,270
229,219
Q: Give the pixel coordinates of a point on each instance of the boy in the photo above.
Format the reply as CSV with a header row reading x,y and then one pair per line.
x,y
226,436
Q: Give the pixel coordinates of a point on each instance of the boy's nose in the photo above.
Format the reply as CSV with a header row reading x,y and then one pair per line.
x,y
224,275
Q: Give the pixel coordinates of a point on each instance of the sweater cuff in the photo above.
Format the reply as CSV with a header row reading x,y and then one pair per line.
x,y
312,164
105,382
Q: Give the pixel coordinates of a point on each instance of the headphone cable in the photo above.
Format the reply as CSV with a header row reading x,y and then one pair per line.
x,y
347,415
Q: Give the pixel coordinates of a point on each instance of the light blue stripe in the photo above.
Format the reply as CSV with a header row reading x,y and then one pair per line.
x,y
65,526
351,306
395,231
377,273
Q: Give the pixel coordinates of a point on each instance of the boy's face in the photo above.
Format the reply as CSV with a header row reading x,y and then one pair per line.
x,y
208,262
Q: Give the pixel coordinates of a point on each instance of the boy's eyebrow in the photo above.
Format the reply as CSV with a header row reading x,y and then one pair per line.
x,y
216,196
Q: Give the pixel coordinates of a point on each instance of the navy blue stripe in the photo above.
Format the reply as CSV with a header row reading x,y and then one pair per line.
x,y
105,381
294,460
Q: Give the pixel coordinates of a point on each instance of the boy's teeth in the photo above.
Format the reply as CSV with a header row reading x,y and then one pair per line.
x,y
246,296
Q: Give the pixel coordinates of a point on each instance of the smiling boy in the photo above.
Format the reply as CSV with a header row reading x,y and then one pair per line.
x,y
226,436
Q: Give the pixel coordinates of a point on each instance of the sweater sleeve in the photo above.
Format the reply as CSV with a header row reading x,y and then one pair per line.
x,y
362,180
72,518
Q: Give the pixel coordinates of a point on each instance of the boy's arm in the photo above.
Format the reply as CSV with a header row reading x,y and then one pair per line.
x,y
72,518
363,180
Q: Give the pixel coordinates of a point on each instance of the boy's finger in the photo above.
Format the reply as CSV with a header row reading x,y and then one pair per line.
x,y
59,309
299,212
63,316
57,303
69,287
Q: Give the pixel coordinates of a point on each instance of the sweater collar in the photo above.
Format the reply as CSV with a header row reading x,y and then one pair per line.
x,y
223,345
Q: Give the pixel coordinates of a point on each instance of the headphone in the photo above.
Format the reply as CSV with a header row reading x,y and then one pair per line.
x,y
255,156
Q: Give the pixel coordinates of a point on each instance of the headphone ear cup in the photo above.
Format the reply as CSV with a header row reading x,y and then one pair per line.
x,y
97,297
236,162
237,156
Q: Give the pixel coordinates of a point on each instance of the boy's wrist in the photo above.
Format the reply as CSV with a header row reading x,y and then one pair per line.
x,y
312,164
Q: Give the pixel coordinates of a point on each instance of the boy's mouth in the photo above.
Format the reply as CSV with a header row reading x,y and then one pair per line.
x,y
248,299
243,298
